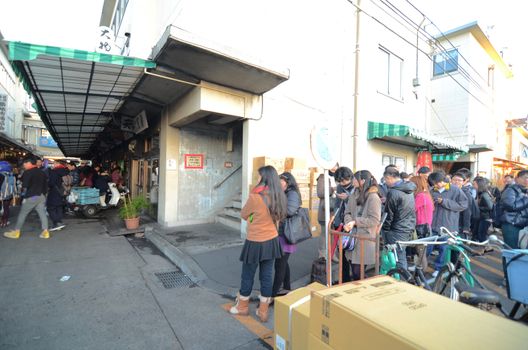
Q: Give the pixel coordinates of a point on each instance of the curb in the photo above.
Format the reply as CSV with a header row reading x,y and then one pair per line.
x,y
179,258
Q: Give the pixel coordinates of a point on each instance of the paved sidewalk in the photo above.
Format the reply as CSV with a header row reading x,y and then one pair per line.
x,y
113,299
209,254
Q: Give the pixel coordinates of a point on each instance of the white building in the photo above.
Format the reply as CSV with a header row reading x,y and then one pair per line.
x,y
469,98
206,108
14,111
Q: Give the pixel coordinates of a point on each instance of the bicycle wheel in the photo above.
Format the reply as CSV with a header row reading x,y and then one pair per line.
x,y
401,275
444,283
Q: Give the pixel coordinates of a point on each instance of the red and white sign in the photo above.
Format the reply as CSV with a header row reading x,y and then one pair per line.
x,y
194,161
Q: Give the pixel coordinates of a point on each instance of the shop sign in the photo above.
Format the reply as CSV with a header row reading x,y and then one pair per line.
x,y
3,110
194,161
105,42
324,146
228,165
48,142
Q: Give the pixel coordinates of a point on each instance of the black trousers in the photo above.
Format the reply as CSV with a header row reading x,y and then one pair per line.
x,y
282,274
356,271
55,214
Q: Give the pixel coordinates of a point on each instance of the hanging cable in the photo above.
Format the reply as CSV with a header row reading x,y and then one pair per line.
x,y
442,48
422,51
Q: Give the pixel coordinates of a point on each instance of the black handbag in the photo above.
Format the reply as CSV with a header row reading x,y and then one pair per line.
x,y
297,227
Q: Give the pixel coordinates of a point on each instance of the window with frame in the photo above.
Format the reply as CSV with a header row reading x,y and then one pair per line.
x,y
118,15
390,74
445,62
399,161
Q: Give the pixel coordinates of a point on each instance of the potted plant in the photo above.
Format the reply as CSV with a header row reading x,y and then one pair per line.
x,y
131,210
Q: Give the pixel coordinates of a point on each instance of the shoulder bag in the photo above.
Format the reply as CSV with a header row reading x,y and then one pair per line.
x,y
297,227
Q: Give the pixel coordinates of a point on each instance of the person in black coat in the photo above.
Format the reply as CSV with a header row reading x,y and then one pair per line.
x,y
55,201
485,203
401,215
101,181
282,268
514,204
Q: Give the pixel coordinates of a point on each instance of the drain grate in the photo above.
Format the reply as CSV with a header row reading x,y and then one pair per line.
x,y
174,279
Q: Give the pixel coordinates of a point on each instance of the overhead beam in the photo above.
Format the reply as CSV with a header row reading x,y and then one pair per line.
x,y
75,93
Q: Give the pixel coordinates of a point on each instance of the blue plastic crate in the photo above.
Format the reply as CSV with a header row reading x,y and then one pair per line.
x,y
86,195
516,274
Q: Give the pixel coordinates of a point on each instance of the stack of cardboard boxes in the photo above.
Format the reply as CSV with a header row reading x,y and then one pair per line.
x,y
306,179
382,313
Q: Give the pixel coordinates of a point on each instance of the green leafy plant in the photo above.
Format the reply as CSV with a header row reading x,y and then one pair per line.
x,y
132,207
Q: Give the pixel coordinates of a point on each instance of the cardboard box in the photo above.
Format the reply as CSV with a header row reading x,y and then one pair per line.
x,y
277,163
314,222
382,313
316,344
302,176
297,306
293,163
305,192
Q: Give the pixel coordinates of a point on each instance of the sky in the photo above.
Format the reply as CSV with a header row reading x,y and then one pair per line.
x,y
73,23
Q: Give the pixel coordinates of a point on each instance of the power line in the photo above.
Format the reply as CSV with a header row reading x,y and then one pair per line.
x,y
413,31
438,44
413,45
445,37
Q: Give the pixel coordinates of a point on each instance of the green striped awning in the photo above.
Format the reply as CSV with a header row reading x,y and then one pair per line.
x,y
19,51
76,92
408,136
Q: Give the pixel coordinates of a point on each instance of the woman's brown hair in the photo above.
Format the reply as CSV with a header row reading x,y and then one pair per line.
x,y
421,185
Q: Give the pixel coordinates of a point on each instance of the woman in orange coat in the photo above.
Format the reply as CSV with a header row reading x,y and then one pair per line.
x,y
264,209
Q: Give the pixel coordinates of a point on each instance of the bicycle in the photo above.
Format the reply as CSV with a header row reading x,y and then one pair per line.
x,y
416,277
454,279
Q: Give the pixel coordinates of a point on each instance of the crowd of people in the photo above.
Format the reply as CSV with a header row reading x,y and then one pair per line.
x,y
400,207
44,188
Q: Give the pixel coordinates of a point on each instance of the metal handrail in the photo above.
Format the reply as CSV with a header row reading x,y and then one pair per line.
x,y
226,178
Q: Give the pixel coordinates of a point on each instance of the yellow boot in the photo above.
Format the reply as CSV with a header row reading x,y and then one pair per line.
x,y
45,234
15,234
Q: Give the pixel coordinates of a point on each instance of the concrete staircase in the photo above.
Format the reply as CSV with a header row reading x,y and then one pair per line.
x,y
230,216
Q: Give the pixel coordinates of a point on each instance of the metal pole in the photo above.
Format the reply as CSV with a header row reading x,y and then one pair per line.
x,y
327,233
356,90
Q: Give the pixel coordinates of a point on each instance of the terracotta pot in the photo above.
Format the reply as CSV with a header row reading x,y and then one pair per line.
x,y
132,224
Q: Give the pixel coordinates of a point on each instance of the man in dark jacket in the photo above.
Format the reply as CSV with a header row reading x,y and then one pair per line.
x,y
35,187
55,202
401,215
449,201
466,216
74,172
514,204
344,178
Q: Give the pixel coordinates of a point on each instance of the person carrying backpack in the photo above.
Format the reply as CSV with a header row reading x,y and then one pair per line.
x,y
59,184
7,190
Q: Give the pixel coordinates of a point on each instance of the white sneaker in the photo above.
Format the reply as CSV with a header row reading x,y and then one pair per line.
x,y
435,274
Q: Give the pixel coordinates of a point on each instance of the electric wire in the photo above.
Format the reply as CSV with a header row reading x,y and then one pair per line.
x,y
443,36
443,49
419,49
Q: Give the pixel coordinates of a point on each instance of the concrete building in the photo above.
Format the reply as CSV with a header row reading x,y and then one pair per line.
x,y
473,110
192,112
14,102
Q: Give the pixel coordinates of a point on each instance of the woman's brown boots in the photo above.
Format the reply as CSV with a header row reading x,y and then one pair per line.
x,y
262,311
241,306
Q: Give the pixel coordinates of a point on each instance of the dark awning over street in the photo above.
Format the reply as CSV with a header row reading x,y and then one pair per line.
x,y
75,91
80,94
